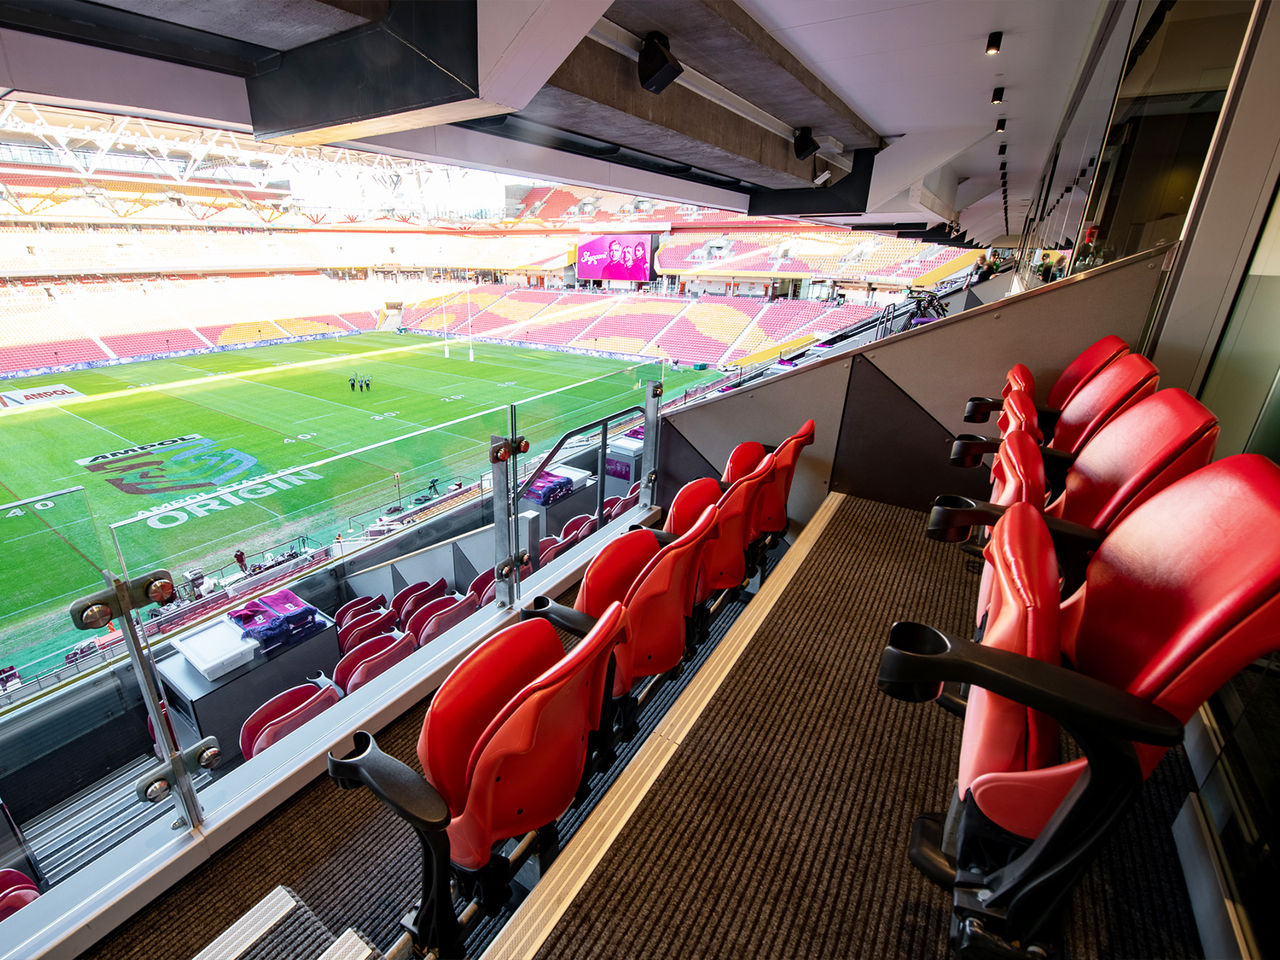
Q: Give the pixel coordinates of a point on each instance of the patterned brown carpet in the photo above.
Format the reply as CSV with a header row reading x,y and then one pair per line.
x,y
780,827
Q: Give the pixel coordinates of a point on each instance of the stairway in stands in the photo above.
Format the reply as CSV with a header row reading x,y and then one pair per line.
x,y
281,927
83,827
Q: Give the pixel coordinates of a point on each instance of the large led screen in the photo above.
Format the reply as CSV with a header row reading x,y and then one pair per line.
x,y
619,256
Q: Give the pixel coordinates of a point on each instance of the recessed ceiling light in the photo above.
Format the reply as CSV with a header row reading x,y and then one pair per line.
x,y
1004,147
993,43
997,95
1000,124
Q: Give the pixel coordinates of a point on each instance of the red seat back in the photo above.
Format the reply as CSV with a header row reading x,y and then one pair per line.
x,y
505,738
1111,391
771,506
1136,454
16,891
282,714
447,618
725,560
1019,377
369,659
1093,359
419,619
614,569
661,596
420,599
359,605
401,598
743,459
482,581
569,533
554,550
689,503
1019,413
999,734
362,629
610,505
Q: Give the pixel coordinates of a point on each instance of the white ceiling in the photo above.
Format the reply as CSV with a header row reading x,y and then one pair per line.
x,y
919,67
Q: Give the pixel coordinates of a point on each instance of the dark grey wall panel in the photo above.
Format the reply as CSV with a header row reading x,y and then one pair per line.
x,y
892,450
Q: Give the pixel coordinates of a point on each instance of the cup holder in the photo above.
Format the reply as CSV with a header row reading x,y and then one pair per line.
x,y
537,606
968,449
944,524
978,409
900,667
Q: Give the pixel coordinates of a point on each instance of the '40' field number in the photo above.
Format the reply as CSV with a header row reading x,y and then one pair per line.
x,y
38,505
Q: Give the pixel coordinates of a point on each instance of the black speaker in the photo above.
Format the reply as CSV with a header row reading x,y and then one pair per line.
x,y
804,144
657,66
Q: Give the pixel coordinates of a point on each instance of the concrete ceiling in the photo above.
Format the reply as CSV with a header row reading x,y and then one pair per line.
x,y
897,91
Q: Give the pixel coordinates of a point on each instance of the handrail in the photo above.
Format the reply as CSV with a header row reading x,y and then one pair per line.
x,y
576,432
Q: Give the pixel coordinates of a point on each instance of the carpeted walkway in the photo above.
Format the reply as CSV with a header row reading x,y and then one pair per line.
x,y
779,828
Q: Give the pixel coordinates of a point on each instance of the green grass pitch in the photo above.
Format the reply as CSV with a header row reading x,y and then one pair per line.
x,y
258,413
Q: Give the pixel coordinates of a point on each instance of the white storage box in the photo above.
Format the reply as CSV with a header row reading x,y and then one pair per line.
x,y
629,446
580,478
217,648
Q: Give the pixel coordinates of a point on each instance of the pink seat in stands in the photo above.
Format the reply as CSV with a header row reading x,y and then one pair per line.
x,y
16,891
363,627
481,582
354,608
569,533
1182,594
424,613
284,713
610,504
422,597
446,618
369,659
402,597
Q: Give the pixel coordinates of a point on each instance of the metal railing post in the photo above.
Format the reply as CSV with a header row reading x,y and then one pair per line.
x,y
649,452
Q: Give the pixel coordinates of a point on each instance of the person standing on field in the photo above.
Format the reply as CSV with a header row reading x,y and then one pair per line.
x,y
352,381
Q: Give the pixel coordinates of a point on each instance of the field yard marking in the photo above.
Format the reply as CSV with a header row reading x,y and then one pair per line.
x,y
313,419
96,426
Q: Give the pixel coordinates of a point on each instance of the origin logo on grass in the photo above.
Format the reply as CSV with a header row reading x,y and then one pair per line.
x,y
190,462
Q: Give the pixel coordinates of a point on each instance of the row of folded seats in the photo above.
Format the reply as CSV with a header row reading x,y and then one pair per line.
x,y
515,733
1126,579
16,891
374,635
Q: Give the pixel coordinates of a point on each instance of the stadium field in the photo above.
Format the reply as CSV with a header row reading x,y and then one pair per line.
x,y
157,443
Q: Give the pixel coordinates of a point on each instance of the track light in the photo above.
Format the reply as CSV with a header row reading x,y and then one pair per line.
x,y
993,42
997,95
804,144
658,68
1004,148
1000,124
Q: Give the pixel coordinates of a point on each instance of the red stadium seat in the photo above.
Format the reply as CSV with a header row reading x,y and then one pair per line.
x,y
447,617
724,563
424,613
771,505
569,533
1182,594
503,749
356,607
401,598
1135,455
16,891
370,658
657,585
421,598
482,581
1087,364
284,713
364,627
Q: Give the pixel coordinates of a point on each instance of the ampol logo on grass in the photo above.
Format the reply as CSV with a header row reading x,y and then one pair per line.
x,y
49,393
189,462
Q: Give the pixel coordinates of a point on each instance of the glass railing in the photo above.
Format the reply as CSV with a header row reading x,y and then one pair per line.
x,y
74,733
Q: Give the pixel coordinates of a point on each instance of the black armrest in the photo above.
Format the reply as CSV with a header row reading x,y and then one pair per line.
x,y
665,539
952,519
1056,465
968,449
558,615
980,409
394,783
919,659
1046,420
